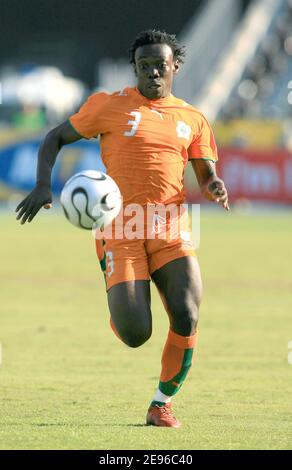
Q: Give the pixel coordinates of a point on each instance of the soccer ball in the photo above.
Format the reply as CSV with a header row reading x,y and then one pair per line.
x,y
91,198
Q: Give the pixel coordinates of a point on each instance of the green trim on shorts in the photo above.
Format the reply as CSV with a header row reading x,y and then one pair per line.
x,y
203,158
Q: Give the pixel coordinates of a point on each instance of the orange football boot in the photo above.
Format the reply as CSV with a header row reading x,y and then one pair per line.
x,y
162,416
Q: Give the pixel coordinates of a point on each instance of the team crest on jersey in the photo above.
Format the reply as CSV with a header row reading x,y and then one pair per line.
x,y
183,130
158,223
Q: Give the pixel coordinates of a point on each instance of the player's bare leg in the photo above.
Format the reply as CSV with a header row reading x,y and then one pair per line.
x,y
129,304
179,284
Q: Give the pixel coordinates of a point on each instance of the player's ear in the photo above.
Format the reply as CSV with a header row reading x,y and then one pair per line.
x,y
135,69
175,66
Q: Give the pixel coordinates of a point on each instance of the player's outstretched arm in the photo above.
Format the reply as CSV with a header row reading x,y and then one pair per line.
x,y
41,195
212,187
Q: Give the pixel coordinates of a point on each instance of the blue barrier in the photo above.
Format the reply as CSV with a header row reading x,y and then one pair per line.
x,y
18,163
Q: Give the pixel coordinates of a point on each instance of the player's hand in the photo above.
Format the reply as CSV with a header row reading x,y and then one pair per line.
x,y
39,197
214,190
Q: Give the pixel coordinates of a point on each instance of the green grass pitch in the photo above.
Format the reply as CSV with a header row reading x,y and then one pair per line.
x,y
66,382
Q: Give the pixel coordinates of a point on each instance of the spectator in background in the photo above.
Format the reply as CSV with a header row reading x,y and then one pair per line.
x,y
30,118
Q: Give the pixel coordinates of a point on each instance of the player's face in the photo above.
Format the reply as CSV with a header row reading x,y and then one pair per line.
x,y
154,67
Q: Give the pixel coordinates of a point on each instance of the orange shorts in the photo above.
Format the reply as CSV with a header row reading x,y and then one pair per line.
x,y
136,259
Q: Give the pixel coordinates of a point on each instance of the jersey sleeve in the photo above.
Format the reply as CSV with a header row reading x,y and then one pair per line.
x,y
203,145
89,121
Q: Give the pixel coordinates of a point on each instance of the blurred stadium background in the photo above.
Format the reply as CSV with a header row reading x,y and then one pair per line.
x,y
63,374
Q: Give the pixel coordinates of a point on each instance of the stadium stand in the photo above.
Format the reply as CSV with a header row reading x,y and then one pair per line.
x,y
263,90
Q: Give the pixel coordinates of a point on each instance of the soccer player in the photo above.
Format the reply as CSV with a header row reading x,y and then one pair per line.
x,y
147,136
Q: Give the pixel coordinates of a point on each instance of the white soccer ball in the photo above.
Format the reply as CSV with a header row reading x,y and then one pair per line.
x,y
91,198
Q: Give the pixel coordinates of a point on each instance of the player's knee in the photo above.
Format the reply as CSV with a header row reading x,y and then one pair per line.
x,y
185,318
136,330
134,339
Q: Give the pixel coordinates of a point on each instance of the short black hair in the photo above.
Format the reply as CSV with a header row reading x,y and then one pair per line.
x,y
153,36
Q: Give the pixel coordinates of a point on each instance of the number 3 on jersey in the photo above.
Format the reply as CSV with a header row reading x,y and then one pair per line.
x,y
134,123
110,262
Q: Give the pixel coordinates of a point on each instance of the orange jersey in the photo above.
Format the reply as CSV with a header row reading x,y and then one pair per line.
x,y
146,144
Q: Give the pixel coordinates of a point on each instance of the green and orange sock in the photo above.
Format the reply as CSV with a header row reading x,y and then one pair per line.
x,y
176,362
